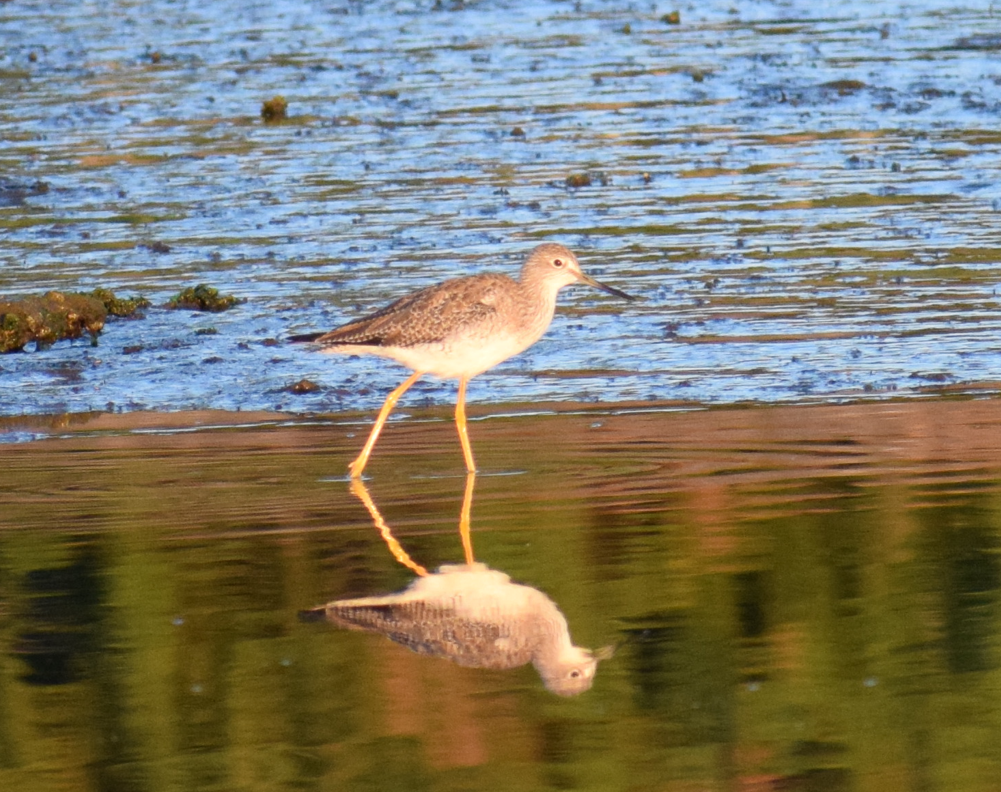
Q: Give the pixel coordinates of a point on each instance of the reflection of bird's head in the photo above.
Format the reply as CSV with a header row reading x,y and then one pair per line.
x,y
571,674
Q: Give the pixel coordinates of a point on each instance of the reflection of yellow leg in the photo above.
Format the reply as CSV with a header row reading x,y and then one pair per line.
x,y
460,422
359,490
465,517
358,465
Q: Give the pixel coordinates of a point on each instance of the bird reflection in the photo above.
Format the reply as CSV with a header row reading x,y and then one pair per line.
x,y
469,614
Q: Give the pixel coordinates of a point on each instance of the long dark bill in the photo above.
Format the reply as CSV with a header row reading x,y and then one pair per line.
x,y
610,289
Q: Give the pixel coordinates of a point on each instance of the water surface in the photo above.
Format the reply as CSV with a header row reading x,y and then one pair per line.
x,y
806,197
802,598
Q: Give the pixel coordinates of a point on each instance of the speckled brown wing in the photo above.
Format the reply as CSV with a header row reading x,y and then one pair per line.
x,y
438,631
424,317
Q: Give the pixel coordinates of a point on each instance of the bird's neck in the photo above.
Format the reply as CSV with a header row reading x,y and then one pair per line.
x,y
554,640
538,299
539,282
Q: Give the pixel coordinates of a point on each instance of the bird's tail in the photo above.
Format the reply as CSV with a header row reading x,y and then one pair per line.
x,y
313,614
305,338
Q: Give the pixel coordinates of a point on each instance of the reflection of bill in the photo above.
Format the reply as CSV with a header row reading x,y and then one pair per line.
x,y
474,616
469,614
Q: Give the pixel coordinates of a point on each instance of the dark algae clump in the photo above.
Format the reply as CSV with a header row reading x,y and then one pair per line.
x,y
123,307
203,298
56,315
274,109
303,386
49,318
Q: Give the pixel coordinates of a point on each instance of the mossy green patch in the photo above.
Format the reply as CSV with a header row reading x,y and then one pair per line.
x,y
49,318
56,315
274,109
120,306
203,298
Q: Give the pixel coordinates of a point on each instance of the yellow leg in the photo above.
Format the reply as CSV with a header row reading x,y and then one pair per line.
x,y
460,423
465,517
358,465
360,491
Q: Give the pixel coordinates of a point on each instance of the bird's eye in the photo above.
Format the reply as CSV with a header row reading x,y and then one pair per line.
x,y
575,673
557,263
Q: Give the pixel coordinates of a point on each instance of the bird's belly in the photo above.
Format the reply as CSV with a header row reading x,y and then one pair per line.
x,y
455,358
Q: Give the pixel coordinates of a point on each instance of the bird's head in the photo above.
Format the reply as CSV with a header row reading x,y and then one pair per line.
x,y
557,266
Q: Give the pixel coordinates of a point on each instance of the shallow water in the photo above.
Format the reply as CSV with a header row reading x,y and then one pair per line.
x,y
807,199
801,597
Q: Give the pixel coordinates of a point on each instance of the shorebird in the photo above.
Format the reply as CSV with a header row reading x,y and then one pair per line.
x,y
474,616
460,328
